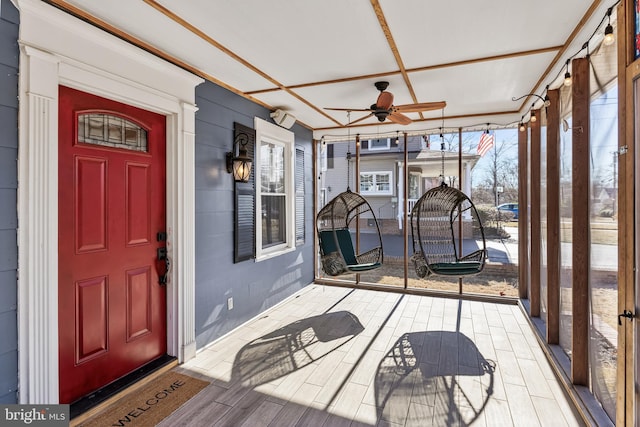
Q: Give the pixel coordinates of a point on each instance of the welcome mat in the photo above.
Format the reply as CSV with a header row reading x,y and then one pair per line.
x,y
150,404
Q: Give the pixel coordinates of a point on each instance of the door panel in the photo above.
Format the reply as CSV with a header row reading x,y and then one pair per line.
x,y
112,309
139,316
90,204
91,318
138,210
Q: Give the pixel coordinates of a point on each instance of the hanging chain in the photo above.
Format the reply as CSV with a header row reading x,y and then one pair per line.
x,y
442,155
348,150
442,148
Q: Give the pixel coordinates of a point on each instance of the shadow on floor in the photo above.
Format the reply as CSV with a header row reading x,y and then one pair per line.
x,y
293,346
422,378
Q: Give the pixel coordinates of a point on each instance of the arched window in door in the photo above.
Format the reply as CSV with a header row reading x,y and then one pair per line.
x,y
111,130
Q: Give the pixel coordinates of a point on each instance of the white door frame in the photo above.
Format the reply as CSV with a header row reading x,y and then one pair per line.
x,y
57,49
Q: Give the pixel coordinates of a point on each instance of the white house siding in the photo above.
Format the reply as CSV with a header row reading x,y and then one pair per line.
x,y
383,206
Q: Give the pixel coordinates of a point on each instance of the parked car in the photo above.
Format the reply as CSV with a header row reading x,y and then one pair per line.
x,y
509,207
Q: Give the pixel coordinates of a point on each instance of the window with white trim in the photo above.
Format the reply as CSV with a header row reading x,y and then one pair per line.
x,y
376,183
414,185
275,190
379,144
323,157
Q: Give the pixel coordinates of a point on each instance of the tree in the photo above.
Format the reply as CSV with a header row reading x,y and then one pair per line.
x,y
498,168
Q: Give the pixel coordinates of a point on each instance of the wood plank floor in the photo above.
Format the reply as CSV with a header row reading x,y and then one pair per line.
x,y
333,356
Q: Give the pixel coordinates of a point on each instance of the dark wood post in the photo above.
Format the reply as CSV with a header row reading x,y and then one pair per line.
x,y
553,217
534,291
523,216
581,230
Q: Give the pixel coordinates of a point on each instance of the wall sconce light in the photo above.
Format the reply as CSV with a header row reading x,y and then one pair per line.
x,y
240,165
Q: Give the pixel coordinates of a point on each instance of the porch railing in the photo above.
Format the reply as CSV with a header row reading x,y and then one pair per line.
x,y
411,204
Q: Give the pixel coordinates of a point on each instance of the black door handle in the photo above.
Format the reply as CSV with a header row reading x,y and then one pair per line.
x,y
163,256
163,279
629,315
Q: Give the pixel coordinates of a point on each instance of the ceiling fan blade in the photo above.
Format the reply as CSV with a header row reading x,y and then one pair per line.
x,y
361,119
399,118
384,101
416,108
347,109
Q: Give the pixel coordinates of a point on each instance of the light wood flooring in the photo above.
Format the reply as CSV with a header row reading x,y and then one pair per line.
x,y
333,356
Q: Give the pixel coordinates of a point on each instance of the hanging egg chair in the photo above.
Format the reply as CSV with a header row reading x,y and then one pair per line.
x,y
436,235
337,253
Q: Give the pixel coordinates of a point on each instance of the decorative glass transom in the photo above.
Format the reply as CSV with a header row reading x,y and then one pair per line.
x,y
111,131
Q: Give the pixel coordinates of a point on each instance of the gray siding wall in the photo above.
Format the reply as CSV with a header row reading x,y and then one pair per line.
x,y
384,161
9,54
254,286
384,207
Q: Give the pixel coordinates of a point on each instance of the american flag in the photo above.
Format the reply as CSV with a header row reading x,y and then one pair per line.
x,y
486,143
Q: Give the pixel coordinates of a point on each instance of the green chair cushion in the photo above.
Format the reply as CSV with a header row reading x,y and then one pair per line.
x,y
343,235
456,268
363,267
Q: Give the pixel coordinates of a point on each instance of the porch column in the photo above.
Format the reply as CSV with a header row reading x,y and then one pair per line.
x,y
466,188
581,240
536,234
38,232
523,216
553,217
181,222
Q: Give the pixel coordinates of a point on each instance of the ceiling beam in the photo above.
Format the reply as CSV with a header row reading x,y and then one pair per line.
x,y
563,49
195,30
388,123
105,26
417,69
394,48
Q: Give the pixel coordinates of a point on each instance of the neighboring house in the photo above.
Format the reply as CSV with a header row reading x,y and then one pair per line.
x,y
70,238
605,202
382,171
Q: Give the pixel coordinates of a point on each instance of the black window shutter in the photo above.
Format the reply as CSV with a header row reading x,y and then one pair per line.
x,y
245,202
364,144
299,197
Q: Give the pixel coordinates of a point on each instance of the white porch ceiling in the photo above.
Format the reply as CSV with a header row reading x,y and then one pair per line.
x,y
302,56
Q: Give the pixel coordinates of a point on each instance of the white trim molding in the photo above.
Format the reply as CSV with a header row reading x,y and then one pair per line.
x,y
38,227
375,175
269,133
59,49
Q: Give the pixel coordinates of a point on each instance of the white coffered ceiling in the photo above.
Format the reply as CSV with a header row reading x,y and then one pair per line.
x,y
302,55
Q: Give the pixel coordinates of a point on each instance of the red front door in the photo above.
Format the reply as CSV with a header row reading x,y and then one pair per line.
x,y
112,308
